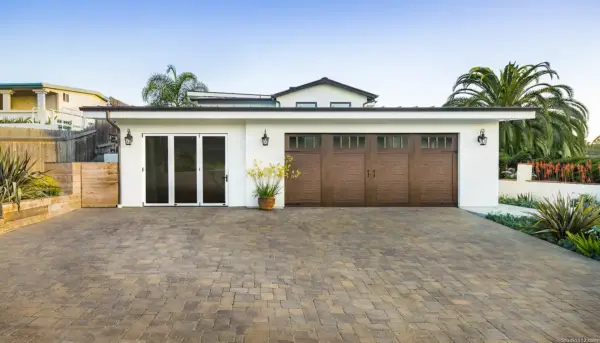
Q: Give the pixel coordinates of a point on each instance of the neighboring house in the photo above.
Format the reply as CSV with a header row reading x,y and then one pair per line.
x,y
349,153
48,103
320,93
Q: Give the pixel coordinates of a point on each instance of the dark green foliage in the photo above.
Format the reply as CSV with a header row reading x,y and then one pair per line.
x,y
515,222
561,215
594,231
560,125
587,199
565,243
523,200
511,161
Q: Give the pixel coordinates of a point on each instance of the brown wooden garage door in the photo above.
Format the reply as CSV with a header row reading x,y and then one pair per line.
x,y
373,170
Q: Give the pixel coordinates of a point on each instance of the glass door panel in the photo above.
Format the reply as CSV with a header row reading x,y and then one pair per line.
x,y
185,175
157,169
214,174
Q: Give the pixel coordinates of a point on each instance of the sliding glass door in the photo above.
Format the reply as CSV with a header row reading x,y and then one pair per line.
x,y
185,162
214,175
185,170
157,170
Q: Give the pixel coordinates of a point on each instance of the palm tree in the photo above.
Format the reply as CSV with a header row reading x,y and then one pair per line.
x,y
170,89
560,126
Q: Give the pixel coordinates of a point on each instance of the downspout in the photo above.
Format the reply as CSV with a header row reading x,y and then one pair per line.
x,y
111,122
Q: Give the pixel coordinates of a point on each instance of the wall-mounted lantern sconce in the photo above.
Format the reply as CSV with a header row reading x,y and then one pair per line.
x,y
128,138
265,139
482,139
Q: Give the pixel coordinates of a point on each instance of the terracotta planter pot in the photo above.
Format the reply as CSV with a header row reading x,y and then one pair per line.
x,y
266,203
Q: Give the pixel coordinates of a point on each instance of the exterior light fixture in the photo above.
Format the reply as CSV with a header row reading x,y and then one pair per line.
x,y
265,139
482,139
128,138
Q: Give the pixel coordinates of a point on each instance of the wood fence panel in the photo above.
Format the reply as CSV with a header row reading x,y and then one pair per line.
x,y
54,146
67,175
99,184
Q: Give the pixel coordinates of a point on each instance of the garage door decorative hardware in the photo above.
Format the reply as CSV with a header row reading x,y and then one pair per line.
x,y
482,139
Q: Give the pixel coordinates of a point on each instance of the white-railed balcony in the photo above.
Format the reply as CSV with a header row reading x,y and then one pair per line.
x,y
64,119
41,116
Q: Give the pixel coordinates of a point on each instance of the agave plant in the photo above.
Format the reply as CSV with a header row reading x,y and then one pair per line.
x,y
15,172
562,215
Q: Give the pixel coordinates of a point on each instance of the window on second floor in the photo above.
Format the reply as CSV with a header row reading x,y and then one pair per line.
x,y
340,104
306,104
65,97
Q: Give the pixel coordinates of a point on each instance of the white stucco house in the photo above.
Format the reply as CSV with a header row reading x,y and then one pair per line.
x,y
350,152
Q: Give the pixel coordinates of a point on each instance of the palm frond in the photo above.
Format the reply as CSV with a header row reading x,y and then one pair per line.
x,y
560,126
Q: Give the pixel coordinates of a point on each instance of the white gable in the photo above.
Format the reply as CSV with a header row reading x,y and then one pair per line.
x,y
323,95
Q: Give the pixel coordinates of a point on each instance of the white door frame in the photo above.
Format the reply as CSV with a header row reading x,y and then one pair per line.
x,y
171,169
200,174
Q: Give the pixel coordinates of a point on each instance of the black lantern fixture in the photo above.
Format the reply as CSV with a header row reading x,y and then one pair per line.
x,y
482,139
265,139
128,138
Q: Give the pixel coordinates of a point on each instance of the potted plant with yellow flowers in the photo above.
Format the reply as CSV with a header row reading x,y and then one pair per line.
x,y
267,180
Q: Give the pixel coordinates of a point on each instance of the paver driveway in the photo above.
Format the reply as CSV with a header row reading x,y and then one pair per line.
x,y
297,275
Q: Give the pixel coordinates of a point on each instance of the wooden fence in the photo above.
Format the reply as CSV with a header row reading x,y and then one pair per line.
x,y
97,182
55,146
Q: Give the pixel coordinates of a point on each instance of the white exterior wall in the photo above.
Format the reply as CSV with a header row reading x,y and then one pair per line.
x,y
323,95
477,165
545,189
133,158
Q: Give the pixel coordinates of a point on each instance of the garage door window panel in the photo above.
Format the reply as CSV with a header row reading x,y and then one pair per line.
x,y
392,142
303,142
348,142
430,143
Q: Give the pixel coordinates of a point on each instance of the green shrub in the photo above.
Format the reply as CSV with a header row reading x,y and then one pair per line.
x,y
523,200
43,186
20,120
512,221
565,243
560,216
588,200
15,172
587,245
594,231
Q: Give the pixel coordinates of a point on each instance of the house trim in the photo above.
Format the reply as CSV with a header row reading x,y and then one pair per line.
x,y
327,81
300,113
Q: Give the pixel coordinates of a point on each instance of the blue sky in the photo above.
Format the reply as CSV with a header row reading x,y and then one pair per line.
x,y
408,52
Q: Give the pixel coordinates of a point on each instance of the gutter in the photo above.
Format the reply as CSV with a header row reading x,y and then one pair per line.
x,y
111,122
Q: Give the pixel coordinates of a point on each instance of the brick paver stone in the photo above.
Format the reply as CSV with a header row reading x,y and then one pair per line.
x,y
300,275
